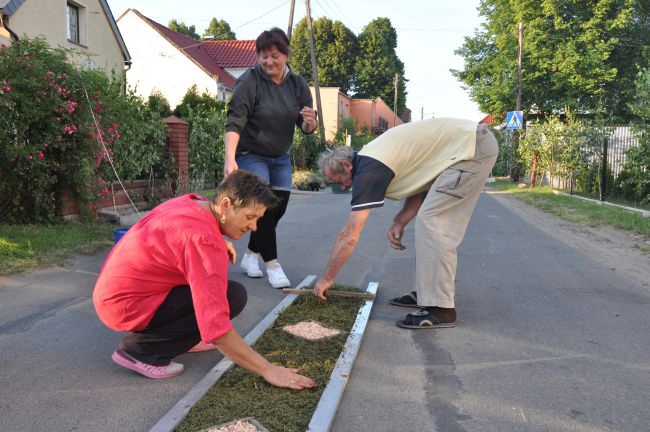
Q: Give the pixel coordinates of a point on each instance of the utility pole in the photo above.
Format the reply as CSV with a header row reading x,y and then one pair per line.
x,y
519,50
395,80
314,67
422,113
293,5
514,170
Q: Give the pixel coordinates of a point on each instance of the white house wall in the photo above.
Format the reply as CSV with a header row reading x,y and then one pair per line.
x,y
236,72
159,65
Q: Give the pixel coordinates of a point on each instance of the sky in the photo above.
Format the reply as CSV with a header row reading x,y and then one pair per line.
x,y
428,33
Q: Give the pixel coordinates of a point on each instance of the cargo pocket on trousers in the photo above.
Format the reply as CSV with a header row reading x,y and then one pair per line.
x,y
459,179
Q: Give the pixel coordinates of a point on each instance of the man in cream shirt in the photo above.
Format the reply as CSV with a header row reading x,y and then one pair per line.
x,y
438,167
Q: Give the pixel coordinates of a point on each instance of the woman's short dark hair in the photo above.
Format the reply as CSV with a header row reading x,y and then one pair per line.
x,y
273,37
245,188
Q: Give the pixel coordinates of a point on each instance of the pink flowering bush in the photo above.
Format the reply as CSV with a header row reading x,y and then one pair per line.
x,y
51,134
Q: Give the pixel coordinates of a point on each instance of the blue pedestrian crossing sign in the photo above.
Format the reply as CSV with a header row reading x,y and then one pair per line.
x,y
514,119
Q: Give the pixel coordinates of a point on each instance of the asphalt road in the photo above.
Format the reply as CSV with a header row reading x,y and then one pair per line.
x,y
547,339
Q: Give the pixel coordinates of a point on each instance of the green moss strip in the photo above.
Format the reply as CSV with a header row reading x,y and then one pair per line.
x,y
240,393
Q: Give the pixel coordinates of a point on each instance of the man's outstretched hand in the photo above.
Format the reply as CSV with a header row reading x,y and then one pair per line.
x,y
321,287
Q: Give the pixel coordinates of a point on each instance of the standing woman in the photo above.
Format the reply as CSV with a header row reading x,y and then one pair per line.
x,y
268,102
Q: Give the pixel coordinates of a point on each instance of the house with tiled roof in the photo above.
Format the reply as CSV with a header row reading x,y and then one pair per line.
x,y
235,56
368,115
171,63
488,120
87,26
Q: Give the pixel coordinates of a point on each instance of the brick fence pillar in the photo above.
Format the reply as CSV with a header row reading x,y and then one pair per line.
x,y
178,140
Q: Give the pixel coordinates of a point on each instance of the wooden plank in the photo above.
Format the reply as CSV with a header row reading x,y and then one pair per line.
x,y
349,294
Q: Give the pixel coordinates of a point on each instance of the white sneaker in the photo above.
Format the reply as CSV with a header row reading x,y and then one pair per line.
x,y
277,278
251,266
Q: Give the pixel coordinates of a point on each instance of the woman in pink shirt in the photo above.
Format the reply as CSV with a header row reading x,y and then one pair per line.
x,y
166,282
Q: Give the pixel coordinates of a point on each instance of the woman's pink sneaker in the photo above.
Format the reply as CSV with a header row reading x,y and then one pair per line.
x,y
150,371
202,346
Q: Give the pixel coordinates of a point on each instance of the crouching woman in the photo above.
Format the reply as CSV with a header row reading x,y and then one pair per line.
x,y
166,283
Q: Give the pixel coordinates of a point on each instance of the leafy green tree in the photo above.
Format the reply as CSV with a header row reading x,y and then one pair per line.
x,y
220,30
336,50
192,99
576,54
206,151
378,63
182,28
157,102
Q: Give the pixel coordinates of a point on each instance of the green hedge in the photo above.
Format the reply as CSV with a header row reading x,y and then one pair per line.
x,y
49,141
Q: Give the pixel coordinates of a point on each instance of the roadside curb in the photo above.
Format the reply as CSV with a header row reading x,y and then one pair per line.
x,y
644,213
323,416
304,192
174,416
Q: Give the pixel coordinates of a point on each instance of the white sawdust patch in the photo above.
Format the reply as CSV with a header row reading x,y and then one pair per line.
x,y
239,426
310,330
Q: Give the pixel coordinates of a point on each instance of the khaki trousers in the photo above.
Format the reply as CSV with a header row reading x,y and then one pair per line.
x,y
442,220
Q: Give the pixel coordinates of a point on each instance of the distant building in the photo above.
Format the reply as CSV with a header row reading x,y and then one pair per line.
x,y
373,115
235,56
370,115
170,62
87,26
489,120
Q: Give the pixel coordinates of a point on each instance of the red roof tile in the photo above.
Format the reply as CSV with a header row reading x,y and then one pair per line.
x,y
232,53
488,119
195,51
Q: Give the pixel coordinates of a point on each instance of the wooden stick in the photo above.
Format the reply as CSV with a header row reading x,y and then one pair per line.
x,y
350,294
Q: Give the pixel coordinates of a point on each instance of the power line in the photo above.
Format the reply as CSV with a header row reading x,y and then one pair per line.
x,y
433,92
263,15
339,9
428,75
433,29
245,24
323,7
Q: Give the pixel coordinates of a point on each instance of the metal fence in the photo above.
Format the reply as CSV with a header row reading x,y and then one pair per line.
x,y
602,164
616,146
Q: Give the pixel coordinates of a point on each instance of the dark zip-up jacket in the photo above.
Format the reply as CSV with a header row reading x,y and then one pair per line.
x,y
264,113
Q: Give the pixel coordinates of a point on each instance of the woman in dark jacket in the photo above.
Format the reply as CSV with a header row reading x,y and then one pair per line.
x,y
268,102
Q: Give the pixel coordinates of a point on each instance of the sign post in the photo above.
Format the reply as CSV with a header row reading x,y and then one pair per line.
x,y
514,119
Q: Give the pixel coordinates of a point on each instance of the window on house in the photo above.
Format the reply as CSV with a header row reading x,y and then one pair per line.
x,y
73,23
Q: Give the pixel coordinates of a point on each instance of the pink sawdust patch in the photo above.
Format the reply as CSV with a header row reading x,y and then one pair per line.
x,y
310,330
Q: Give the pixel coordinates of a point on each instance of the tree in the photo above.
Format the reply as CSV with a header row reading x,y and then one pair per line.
x,y
205,102
158,103
378,63
182,28
336,50
577,54
219,30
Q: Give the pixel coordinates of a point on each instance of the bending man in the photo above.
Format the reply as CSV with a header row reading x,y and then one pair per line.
x,y
439,167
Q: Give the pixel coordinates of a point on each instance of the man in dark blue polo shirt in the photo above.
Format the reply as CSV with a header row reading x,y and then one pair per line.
x,y
438,167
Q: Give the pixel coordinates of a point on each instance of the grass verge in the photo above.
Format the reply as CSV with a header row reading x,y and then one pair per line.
x,y
576,210
240,393
25,246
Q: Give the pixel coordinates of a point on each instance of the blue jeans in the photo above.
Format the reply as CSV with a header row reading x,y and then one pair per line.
x,y
275,170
